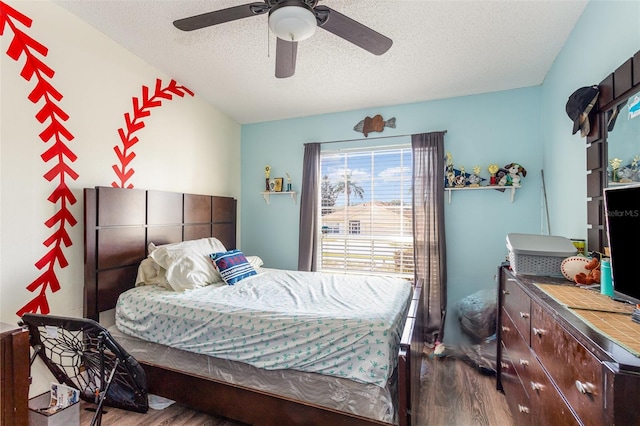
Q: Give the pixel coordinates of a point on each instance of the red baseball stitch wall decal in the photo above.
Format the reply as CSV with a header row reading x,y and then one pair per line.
x,y
52,116
133,123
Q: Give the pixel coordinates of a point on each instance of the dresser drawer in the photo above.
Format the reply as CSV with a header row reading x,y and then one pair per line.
x,y
548,406
518,306
520,356
517,398
576,371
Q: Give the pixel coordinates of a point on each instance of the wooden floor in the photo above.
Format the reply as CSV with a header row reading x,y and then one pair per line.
x,y
452,393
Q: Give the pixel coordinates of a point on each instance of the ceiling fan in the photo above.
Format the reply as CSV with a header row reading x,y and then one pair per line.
x,y
293,21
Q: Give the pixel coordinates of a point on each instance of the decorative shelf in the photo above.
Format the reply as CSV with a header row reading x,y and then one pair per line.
x,y
267,195
511,189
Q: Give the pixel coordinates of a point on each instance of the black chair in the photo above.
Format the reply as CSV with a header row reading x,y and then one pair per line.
x,y
82,354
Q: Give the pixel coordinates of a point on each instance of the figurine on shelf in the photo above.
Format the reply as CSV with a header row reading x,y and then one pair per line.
x,y
461,179
450,173
493,169
626,174
510,174
474,179
451,179
615,165
634,167
288,182
267,173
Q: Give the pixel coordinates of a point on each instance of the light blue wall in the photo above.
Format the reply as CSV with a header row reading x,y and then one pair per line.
x,y
528,125
607,34
501,127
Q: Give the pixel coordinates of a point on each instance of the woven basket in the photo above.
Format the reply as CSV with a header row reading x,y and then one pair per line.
x,y
536,265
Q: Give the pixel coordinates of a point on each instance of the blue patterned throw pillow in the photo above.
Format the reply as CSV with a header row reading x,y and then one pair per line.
x,y
232,265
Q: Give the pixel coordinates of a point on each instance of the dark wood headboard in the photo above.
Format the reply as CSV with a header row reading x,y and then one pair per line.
x,y
120,224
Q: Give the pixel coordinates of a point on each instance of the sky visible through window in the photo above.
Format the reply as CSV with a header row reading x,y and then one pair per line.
x,y
382,175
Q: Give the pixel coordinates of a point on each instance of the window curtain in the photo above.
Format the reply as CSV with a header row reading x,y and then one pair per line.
x,y
428,229
308,232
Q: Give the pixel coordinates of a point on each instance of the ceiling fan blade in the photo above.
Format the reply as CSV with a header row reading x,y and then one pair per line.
x,y
220,16
286,53
352,31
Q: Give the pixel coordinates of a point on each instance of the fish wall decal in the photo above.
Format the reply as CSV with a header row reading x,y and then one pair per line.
x,y
375,124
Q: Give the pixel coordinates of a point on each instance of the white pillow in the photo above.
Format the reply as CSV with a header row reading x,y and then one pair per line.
x,y
187,264
254,261
150,273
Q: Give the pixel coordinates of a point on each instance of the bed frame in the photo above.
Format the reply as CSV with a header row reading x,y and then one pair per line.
x,y
119,225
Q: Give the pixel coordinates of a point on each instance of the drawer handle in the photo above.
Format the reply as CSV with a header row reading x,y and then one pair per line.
x,y
585,388
523,409
504,365
537,386
524,315
524,362
538,331
505,329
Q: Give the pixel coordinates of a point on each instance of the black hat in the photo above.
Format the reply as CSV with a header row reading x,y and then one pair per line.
x,y
578,107
614,115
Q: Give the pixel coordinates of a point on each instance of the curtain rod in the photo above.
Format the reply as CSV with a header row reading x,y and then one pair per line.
x,y
366,139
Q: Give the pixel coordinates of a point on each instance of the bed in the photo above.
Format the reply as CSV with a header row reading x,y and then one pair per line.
x,y
120,224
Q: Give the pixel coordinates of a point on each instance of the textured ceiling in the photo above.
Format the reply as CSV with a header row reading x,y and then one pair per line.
x,y
441,49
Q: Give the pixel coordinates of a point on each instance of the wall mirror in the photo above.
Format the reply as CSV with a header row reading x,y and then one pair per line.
x,y
615,133
623,142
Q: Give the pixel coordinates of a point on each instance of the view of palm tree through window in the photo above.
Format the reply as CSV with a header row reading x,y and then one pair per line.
x,y
366,212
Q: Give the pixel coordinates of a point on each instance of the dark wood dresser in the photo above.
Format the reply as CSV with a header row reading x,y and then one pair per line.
x,y
14,375
555,368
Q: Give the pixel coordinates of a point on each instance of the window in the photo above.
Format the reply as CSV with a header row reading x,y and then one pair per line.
x,y
366,212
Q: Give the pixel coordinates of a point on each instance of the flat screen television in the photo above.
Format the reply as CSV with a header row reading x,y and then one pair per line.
x,y
622,208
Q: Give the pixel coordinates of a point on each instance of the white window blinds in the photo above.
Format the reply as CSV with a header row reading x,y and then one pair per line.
x,y
366,212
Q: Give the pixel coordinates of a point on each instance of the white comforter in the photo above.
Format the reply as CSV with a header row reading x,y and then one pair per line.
x,y
339,325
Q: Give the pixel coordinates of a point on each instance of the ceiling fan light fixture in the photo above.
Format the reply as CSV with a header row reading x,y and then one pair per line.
x,y
292,20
